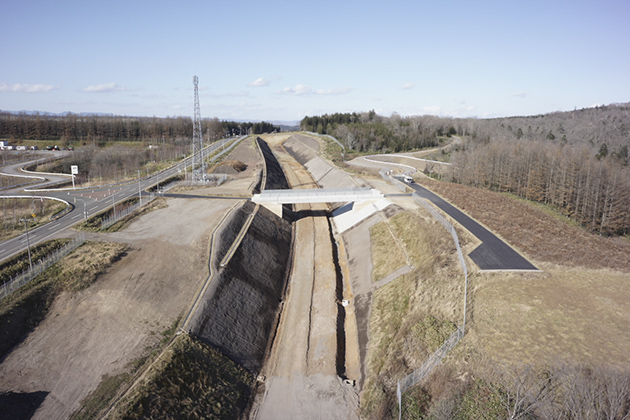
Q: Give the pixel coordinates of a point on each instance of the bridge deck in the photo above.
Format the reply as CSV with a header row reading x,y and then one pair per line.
x,y
330,195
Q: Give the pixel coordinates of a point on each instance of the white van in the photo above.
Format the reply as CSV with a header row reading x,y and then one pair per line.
x,y
407,179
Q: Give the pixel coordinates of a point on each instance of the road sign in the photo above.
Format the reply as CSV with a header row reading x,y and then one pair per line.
x,y
74,169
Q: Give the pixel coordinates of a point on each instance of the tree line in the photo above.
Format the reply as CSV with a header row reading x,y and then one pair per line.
x,y
556,391
369,132
96,128
577,161
592,190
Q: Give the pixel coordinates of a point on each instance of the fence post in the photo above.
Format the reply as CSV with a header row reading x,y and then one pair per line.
x,y
399,395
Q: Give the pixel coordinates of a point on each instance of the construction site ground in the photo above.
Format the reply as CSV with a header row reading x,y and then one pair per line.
x,y
101,330
118,320
301,373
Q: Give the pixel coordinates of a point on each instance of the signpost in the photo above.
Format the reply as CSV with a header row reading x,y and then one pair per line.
x,y
74,170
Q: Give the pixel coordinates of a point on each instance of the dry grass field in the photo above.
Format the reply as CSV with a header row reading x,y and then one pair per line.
x,y
561,315
537,231
576,309
414,314
574,312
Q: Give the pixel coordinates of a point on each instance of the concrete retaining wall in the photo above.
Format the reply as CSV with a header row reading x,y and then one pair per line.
x,y
326,175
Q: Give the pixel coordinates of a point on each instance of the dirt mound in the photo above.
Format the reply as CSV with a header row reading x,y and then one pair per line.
x,y
229,167
238,311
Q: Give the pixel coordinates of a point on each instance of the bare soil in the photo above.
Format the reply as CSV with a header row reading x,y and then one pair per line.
x,y
102,329
302,372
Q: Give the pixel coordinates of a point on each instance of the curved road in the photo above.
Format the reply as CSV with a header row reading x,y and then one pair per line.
x,y
85,201
493,253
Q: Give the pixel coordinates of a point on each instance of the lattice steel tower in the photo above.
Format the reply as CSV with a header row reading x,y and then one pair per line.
x,y
198,162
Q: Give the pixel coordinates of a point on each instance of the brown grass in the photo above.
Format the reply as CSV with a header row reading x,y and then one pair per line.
x,y
413,313
81,268
14,209
538,233
387,255
562,314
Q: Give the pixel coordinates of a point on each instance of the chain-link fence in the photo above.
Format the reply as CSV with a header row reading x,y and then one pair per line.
x,y
125,211
39,267
417,375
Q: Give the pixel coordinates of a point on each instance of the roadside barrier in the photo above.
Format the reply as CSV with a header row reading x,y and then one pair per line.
x,y
42,265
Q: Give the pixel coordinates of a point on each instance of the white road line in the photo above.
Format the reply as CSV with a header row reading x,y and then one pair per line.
x,y
78,215
53,227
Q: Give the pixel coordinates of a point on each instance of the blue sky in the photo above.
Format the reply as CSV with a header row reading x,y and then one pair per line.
x,y
282,60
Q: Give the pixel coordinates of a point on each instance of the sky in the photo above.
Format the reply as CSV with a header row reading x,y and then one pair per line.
x,y
279,60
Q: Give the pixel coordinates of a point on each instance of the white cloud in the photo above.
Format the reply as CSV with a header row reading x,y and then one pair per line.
x,y
408,86
19,87
259,82
521,95
107,87
297,90
306,90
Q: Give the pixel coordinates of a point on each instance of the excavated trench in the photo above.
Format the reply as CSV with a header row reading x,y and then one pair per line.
x,y
341,311
239,311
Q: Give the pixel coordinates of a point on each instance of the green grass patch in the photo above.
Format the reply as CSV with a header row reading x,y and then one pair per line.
x,y
433,332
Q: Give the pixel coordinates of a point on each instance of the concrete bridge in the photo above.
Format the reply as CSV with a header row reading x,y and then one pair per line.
x,y
274,199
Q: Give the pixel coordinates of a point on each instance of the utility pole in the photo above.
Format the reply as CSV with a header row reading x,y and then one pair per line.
x,y
28,244
139,189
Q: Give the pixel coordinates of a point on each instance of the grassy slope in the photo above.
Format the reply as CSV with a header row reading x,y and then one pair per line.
x,y
576,310
413,315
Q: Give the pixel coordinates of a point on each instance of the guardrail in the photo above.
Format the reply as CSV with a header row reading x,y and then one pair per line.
x,y
42,265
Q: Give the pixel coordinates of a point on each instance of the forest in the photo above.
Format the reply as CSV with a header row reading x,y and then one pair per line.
x,y
577,161
98,128
369,132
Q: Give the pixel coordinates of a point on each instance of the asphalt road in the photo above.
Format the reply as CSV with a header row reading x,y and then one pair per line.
x,y
85,202
493,253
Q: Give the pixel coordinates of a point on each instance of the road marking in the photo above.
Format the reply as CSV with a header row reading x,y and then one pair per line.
x,y
53,227
74,217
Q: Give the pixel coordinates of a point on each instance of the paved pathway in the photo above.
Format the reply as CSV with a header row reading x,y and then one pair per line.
x,y
493,253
